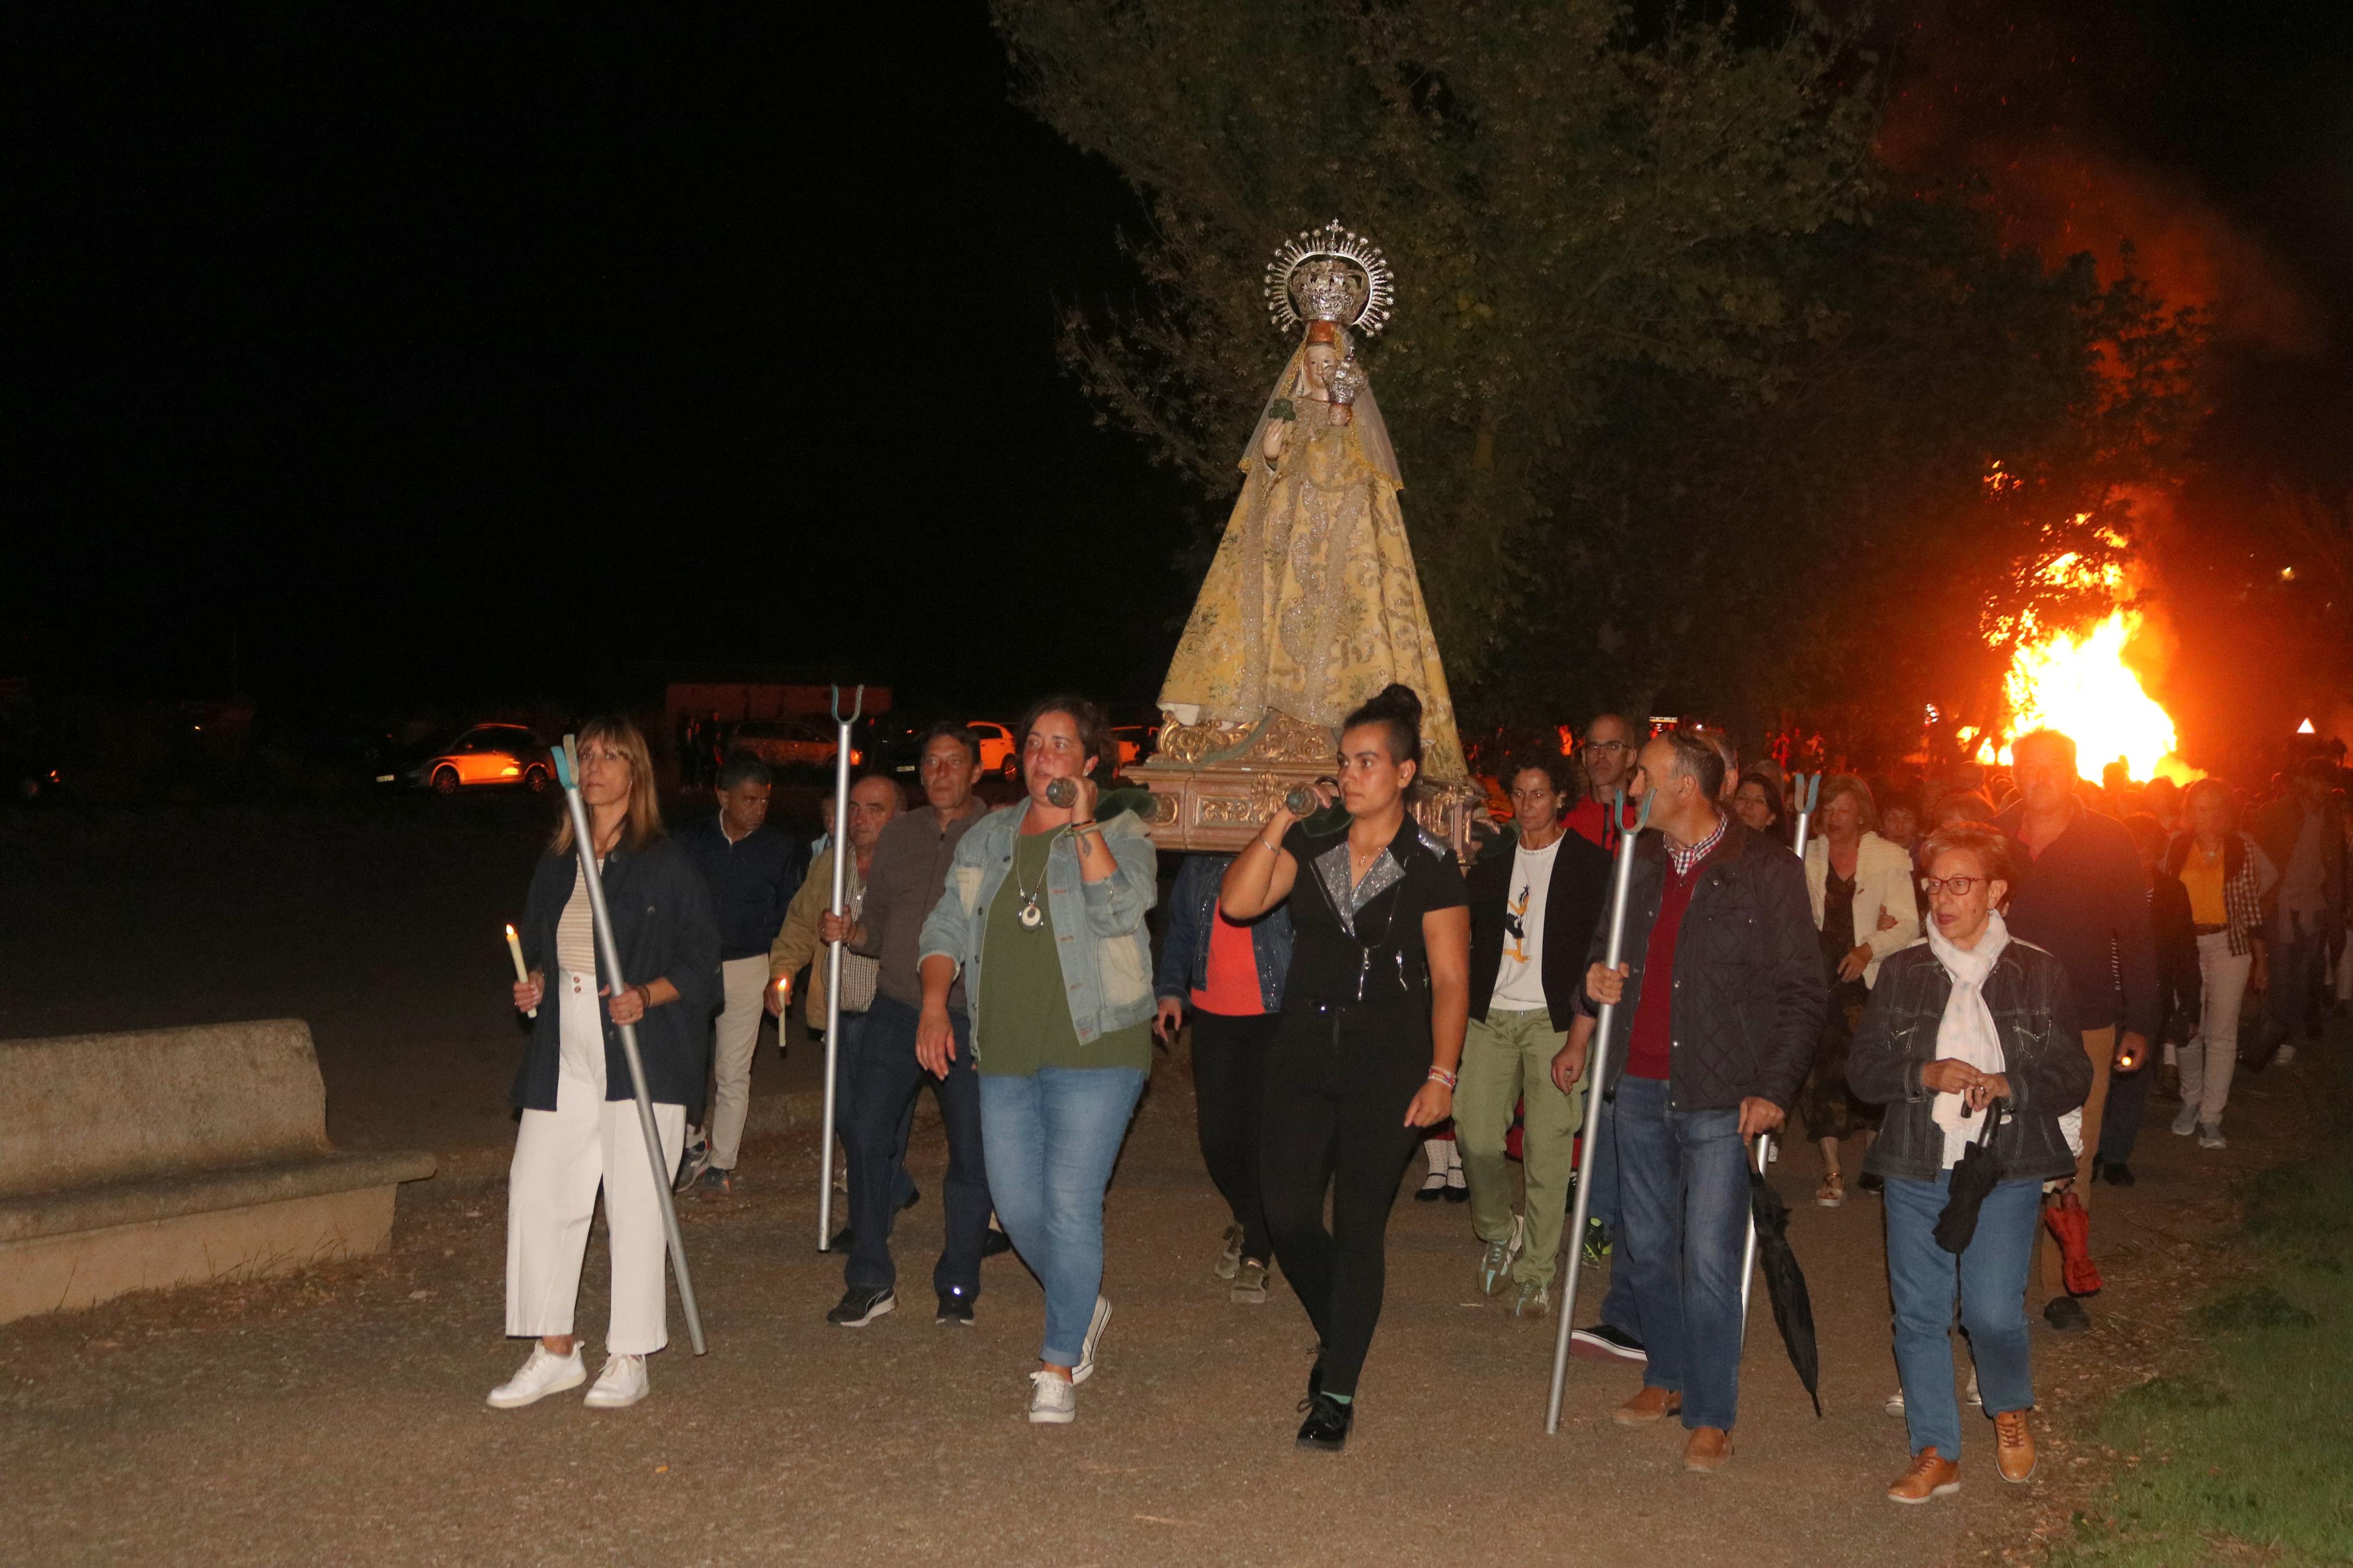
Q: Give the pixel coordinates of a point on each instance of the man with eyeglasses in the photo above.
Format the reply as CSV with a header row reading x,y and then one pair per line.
x,y
2079,895
1608,755
908,877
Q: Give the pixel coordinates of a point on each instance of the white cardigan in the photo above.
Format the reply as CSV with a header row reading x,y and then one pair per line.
x,y
1882,882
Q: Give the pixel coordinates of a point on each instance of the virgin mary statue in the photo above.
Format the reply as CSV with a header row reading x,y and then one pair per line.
x,y
1311,604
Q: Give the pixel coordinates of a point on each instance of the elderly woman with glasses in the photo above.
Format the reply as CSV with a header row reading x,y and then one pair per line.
x,y
1967,1025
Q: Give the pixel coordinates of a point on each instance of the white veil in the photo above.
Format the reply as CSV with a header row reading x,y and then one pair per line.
x,y
1365,413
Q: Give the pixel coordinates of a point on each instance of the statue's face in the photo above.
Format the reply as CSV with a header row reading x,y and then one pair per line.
x,y
1321,358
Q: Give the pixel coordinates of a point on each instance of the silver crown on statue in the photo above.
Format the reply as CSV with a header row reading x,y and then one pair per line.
x,y
1330,274
1347,380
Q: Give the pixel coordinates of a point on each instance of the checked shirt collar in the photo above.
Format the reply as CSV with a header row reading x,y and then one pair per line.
x,y
1689,855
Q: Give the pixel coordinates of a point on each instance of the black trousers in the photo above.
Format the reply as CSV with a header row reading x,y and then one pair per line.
x,y
1230,1057
882,1109
1337,1087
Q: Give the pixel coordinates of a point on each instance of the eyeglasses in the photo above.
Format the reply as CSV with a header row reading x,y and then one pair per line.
x,y
1609,745
1958,886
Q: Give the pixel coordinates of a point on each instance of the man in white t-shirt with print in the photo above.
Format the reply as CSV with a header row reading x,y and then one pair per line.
x,y
1535,895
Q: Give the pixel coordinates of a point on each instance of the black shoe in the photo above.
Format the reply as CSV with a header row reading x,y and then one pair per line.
x,y
995,1242
915,1197
1870,1182
1602,1343
954,1308
1432,1188
2066,1315
1457,1190
2119,1174
859,1308
1326,1426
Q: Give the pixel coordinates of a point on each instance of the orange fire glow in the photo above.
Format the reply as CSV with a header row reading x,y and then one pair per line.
x,y
2081,686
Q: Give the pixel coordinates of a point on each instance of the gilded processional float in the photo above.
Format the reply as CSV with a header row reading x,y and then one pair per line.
x,y
1312,603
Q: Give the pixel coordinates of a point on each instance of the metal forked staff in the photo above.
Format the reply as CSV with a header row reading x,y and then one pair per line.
x,y
567,772
842,853
1807,795
1596,1076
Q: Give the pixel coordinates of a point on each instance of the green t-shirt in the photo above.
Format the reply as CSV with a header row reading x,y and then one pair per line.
x,y
1024,1019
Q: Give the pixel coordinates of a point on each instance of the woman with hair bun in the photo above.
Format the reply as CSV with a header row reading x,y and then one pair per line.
x,y
1365,1058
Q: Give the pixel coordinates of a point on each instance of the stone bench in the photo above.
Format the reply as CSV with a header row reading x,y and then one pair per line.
x,y
164,1157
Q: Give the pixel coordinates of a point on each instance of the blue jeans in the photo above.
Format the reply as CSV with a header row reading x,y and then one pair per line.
x,y
889,1079
1051,1139
1992,1283
1617,1308
1683,1188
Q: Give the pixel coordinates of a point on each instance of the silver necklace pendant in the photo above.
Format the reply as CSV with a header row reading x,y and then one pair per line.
x,y
1032,917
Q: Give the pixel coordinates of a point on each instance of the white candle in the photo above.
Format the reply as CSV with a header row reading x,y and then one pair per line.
x,y
523,975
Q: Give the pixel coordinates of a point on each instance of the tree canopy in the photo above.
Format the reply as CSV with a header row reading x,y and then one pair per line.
x,y
1691,404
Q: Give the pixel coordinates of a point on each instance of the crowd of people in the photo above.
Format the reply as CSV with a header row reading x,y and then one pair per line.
x,y
1966,990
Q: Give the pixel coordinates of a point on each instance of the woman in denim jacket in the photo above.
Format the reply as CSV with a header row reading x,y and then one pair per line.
x,y
1966,1018
1043,913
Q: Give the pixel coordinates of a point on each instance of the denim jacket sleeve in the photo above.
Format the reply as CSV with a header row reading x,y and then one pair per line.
x,y
1116,905
1880,1068
1186,930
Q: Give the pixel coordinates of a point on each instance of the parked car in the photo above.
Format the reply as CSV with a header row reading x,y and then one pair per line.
x,y
789,742
999,751
483,754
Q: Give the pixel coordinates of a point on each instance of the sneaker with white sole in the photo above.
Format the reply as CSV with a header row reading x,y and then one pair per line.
x,y
2184,1121
1602,1343
1532,1300
692,1163
1086,1367
1250,1282
1496,1267
544,1372
1052,1402
2209,1136
622,1383
860,1306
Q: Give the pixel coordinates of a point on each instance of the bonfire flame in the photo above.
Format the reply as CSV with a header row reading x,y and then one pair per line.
x,y
2080,685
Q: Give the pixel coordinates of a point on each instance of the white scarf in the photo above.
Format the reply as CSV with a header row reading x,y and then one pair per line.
x,y
1967,1029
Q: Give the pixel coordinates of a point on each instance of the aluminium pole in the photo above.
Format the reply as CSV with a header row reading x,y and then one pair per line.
x,y
842,853
1596,1076
567,769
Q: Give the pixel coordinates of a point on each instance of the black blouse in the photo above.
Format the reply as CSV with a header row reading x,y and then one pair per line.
x,y
1365,945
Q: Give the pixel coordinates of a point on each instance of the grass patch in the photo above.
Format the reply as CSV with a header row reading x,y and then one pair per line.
x,y
2249,1457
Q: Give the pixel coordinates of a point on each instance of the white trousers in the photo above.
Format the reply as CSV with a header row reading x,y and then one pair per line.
x,y
2213,1055
745,980
562,1156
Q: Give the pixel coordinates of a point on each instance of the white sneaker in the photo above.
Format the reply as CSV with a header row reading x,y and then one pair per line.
x,y
2184,1121
544,1373
1086,1367
2210,1137
621,1383
2287,1054
1895,1405
1052,1402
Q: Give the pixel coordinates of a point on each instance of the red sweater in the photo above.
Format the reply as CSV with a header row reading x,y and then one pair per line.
x,y
1647,1051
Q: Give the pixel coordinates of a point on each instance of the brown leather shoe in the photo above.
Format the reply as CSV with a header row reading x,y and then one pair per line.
x,y
1931,1475
1650,1405
2013,1446
1707,1449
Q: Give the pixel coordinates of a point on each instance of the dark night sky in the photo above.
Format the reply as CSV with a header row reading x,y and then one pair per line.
x,y
470,350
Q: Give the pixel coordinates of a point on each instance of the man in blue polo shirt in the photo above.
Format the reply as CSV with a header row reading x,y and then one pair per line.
x,y
753,871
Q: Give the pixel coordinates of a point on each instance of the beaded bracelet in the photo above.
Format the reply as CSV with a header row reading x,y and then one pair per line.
x,y
1441,1075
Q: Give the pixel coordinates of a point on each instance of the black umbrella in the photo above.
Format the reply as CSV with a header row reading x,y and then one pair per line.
x,y
1793,1308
